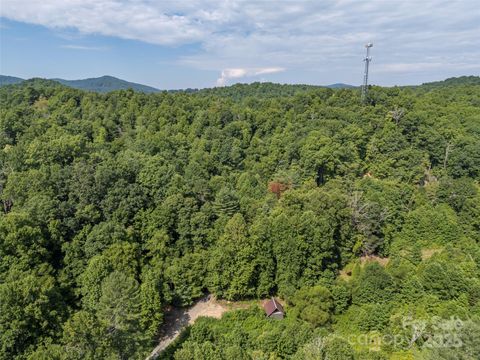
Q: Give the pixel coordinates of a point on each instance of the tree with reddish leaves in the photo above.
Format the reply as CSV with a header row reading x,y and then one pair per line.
x,y
277,188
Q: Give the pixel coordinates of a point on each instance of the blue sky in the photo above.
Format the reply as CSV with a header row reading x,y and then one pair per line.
x,y
179,44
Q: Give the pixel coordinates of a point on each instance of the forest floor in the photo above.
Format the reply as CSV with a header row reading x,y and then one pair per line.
x,y
428,253
177,319
374,258
346,273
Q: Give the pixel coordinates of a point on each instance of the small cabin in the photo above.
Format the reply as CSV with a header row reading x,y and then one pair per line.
x,y
273,309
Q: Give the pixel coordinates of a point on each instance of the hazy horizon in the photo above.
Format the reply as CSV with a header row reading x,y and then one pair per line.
x,y
232,84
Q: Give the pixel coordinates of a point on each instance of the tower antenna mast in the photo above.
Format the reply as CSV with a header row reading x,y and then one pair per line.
x,y
367,60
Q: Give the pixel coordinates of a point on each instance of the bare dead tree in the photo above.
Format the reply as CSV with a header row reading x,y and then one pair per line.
x,y
367,218
448,148
397,114
6,203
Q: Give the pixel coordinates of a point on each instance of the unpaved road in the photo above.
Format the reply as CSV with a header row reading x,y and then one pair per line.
x,y
176,319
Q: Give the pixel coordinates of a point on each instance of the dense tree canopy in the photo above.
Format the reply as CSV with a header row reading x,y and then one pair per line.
x,y
116,205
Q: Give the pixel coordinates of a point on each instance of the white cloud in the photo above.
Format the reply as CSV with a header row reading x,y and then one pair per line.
x,y
82,47
325,37
154,22
405,67
237,73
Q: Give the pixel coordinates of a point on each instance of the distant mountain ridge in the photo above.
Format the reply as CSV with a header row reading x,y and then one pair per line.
x,y
340,86
461,80
9,80
101,84
105,84
108,83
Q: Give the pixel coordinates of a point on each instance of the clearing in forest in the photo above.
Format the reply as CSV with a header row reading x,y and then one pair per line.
x,y
177,319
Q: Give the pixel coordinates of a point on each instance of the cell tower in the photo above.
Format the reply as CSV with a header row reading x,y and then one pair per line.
x,y
367,60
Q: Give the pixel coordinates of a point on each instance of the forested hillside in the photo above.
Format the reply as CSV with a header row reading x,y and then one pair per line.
x,y
462,80
9,80
105,84
102,84
363,219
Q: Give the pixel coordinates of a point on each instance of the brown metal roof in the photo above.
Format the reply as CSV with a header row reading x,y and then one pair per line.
x,y
271,306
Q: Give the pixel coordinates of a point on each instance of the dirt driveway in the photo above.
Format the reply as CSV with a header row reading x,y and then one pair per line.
x,y
176,319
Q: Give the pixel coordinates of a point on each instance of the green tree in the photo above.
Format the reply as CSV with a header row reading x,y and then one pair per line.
x,y
31,311
314,305
119,310
232,266
374,285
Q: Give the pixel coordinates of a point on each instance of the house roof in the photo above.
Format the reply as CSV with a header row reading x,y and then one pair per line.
x,y
272,306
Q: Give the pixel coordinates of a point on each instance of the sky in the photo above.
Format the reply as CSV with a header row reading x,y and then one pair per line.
x,y
204,43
